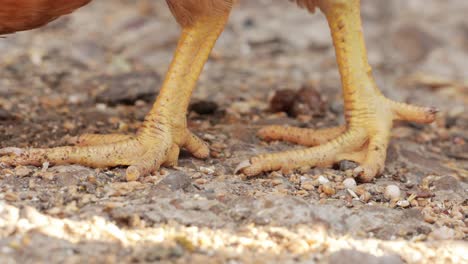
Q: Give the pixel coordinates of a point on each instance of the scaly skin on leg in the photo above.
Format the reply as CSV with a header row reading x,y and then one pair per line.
x,y
302,136
369,115
164,130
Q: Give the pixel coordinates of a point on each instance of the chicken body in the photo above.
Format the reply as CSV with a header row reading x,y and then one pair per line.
x,y
18,15
364,138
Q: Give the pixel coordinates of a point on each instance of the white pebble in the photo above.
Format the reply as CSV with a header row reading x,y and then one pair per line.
x,y
443,233
208,170
349,183
323,180
45,166
392,192
403,203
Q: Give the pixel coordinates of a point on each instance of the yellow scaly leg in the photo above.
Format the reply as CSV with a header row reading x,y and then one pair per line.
x,y
164,130
369,115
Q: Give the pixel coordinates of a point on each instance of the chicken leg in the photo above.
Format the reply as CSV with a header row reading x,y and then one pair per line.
x,y
369,115
164,130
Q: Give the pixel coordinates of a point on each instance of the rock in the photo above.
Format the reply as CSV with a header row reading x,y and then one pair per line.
x,y
306,101
204,107
345,165
447,183
349,183
6,115
414,159
70,175
392,192
328,189
126,88
23,171
365,197
443,233
176,181
272,209
156,253
323,180
307,185
9,216
346,256
403,203
34,217
186,212
282,100
239,213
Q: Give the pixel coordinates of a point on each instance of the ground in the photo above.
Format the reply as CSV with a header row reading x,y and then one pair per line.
x,y
98,71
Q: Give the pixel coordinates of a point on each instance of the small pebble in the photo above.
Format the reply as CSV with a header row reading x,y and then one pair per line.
x,y
345,165
135,221
403,203
308,102
307,185
45,166
328,189
428,215
302,193
197,175
349,183
353,194
204,107
429,219
11,197
457,215
443,233
323,180
392,192
414,203
283,100
365,197
423,202
92,179
201,181
207,170
5,115
176,180
276,182
22,171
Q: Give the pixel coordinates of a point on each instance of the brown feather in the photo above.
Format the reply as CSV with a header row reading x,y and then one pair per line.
x,y
307,4
187,11
17,15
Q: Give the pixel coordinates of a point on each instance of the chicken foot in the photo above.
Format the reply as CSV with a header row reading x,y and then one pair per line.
x,y
369,115
164,130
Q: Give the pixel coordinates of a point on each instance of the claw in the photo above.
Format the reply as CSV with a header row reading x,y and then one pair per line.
x,y
242,165
366,144
360,173
132,173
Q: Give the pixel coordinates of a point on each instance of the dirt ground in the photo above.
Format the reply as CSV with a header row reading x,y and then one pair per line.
x,y
98,70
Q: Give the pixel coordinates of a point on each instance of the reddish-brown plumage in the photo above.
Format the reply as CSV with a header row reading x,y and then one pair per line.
x,y
308,4
187,11
17,15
